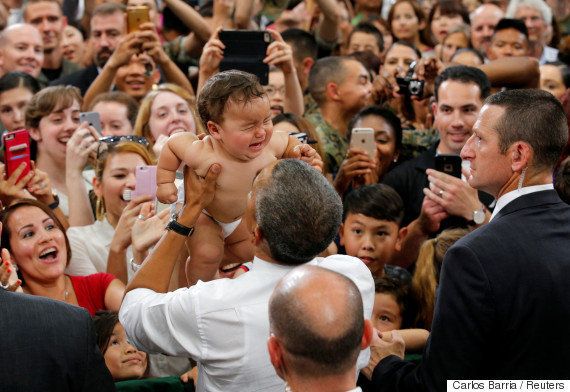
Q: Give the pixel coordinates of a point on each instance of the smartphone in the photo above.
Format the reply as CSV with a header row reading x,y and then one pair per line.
x,y
449,164
364,138
136,16
245,51
93,119
145,182
16,150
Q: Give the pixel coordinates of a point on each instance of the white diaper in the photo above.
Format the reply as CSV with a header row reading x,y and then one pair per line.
x,y
227,228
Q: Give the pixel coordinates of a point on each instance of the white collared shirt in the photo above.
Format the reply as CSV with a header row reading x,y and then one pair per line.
x,y
512,195
224,324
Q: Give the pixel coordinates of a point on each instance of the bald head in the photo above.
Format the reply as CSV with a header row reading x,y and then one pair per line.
x,y
21,49
483,22
304,306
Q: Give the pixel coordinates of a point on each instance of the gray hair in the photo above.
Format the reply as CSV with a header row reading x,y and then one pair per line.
x,y
539,5
298,212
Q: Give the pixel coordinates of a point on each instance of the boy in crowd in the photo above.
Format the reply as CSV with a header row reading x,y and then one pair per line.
x,y
236,113
371,230
510,39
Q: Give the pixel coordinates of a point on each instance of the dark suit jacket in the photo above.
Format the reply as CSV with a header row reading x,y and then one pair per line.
x,y
48,345
81,79
503,306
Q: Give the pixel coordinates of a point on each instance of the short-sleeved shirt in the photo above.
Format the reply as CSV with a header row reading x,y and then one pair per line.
x,y
90,290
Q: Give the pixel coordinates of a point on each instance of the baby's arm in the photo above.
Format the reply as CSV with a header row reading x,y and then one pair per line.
x,y
415,339
304,152
173,153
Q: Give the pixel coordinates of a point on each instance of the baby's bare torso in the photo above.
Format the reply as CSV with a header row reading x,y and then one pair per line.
x,y
236,178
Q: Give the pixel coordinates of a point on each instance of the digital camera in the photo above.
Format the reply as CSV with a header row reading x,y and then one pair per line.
x,y
410,86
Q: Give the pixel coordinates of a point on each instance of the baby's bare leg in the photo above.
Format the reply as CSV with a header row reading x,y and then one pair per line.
x,y
206,248
239,248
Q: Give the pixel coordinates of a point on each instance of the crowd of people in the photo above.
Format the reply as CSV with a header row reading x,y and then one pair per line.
x,y
387,211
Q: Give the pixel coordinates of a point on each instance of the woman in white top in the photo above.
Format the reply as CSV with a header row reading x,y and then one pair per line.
x,y
63,147
105,246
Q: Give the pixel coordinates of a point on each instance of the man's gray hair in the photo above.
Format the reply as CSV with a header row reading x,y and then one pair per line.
x,y
298,212
539,5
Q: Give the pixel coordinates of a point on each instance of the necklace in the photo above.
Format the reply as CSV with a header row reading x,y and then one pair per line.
x,y
66,291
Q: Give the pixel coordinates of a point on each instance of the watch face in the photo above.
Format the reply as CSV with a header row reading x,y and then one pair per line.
x,y
479,216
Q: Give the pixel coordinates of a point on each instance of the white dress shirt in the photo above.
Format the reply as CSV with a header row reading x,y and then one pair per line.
x,y
224,324
512,195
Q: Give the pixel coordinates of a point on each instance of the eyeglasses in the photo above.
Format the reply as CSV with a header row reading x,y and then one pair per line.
x,y
272,90
109,141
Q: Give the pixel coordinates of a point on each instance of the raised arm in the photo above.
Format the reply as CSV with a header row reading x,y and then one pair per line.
x,y
171,156
200,30
513,72
128,47
327,29
280,54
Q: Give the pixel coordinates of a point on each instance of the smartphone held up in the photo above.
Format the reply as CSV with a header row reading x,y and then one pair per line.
x,y
16,151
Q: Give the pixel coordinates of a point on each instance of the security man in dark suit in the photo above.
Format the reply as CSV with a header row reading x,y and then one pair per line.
x,y
503,306
47,345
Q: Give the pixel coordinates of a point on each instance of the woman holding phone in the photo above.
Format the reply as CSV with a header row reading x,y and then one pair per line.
x,y
106,246
359,168
63,147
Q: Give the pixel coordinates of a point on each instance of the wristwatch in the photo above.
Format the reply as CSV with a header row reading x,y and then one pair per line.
x,y
178,228
479,216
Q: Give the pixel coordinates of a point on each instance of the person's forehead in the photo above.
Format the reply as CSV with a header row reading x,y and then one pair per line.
x,y
487,15
25,34
509,35
402,51
452,92
114,21
362,36
263,176
43,8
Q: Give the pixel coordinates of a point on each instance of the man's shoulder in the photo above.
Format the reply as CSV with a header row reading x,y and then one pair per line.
x,y
41,311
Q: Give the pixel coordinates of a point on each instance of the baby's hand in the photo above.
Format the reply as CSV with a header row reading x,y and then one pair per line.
x,y
308,154
167,193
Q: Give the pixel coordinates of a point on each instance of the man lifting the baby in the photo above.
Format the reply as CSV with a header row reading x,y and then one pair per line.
x,y
236,112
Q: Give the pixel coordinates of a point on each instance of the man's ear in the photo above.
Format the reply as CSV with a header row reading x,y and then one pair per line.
x,y
521,155
434,109
341,233
63,23
307,64
331,91
35,134
367,335
257,235
400,240
275,354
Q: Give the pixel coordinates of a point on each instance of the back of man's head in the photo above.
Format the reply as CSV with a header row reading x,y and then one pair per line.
x,y
535,117
303,43
466,75
317,316
326,70
297,211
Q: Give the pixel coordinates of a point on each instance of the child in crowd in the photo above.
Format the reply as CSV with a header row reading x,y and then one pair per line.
x,y
394,310
426,275
236,113
122,358
371,226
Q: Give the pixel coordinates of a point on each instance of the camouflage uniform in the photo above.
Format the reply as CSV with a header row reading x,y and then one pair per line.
x,y
332,142
416,141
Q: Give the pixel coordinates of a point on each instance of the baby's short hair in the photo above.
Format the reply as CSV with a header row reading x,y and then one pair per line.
x,y
240,87
378,201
